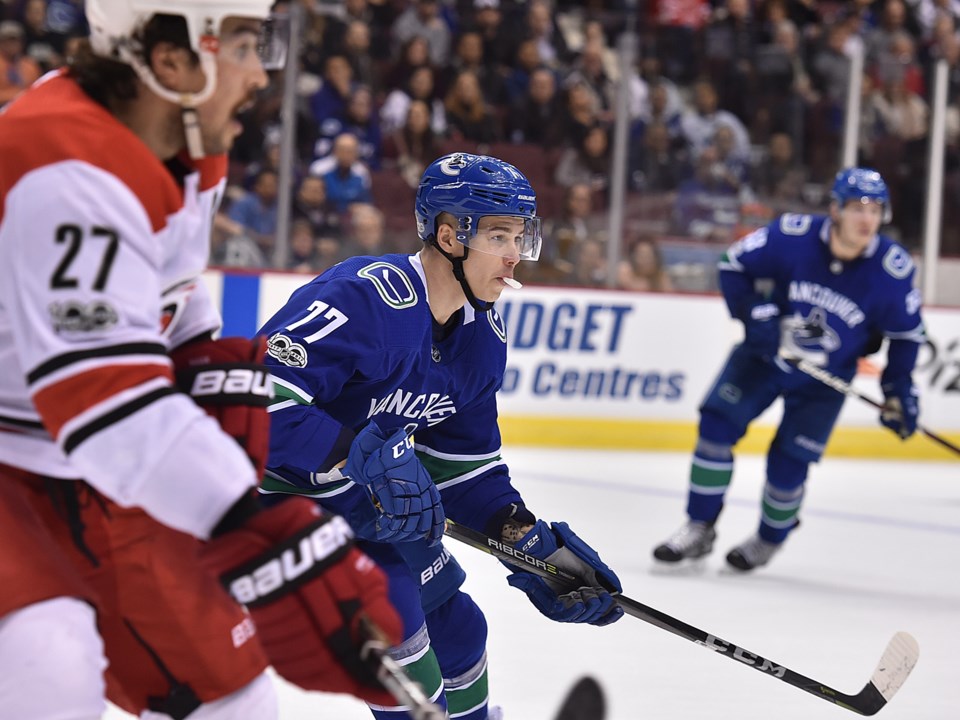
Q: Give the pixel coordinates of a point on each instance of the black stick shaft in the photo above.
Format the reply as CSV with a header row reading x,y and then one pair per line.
x,y
867,702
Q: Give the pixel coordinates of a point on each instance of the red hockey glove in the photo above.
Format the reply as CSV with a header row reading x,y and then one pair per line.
x,y
227,379
307,587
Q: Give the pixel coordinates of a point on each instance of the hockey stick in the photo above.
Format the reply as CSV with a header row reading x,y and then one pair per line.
x,y
895,665
818,373
388,671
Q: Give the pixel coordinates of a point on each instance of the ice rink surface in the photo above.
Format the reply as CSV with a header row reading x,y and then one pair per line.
x,y
878,551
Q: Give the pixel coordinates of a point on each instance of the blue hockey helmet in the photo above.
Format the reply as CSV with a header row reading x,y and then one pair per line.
x,y
470,187
862,184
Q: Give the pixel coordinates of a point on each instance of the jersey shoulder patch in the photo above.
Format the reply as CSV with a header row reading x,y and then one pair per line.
x,y
496,322
795,224
897,262
393,285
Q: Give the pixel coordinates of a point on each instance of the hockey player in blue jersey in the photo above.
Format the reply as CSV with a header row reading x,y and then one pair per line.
x,y
825,289
392,365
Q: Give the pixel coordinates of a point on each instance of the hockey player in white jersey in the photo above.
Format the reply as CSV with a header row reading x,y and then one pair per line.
x,y
114,485
824,289
393,364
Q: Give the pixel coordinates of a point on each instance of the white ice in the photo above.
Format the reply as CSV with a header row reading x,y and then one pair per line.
x,y
878,552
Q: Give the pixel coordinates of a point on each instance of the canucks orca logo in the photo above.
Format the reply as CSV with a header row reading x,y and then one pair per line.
x,y
814,333
810,338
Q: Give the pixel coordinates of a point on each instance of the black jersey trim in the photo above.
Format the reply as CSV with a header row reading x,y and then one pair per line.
x,y
84,432
62,361
17,422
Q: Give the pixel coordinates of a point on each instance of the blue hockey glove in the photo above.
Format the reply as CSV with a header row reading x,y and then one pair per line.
x,y
761,327
592,603
405,502
901,407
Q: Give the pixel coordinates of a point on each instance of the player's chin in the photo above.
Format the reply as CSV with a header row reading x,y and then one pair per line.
x,y
222,142
492,291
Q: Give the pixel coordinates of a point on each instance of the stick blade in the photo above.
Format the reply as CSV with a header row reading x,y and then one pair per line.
x,y
585,701
895,665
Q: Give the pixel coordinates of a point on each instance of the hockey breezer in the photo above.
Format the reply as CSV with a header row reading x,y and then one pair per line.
x,y
897,661
846,388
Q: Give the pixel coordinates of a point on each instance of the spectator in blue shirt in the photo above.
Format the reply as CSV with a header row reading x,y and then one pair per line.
x,y
347,179
256,211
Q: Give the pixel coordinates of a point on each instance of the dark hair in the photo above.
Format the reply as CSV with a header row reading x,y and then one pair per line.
x,y
650,240
106,79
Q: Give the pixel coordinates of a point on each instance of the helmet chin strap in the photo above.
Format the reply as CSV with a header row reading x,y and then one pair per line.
x,y
457,262
188,102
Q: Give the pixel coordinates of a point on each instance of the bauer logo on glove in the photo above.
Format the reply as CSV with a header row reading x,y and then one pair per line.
x,y
302,559
232,385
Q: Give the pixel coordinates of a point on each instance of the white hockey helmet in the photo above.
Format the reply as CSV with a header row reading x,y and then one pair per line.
x,y
113,23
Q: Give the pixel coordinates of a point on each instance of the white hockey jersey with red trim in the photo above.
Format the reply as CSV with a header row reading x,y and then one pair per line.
x,y
101,249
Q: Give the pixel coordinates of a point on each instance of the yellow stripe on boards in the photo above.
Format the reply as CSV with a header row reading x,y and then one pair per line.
x,y
676,436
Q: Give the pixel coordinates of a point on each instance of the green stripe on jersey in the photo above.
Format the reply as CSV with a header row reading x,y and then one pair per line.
x,y
282,393
443,470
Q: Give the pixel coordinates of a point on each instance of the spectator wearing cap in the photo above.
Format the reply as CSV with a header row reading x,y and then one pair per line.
x,y
17,70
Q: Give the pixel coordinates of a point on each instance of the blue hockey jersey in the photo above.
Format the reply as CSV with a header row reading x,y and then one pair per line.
x,y
834,311
359,343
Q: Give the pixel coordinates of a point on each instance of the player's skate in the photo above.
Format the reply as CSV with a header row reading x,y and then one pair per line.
x,y
752,554
693,540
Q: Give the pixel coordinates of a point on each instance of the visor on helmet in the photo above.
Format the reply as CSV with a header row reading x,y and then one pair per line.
x,y
502,235
274,41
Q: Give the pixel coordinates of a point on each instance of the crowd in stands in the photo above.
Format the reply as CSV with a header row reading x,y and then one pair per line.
x,y
736,114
